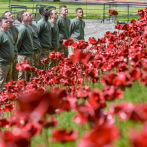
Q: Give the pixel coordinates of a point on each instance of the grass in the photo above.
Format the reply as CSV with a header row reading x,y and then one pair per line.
x,y
91,11
137,94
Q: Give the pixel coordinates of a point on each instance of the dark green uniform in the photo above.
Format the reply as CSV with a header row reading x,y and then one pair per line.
x,y
36,45
77,29
44,33
25,48
36,41
55,36
63,25
24,41
13,31
6,48
6,57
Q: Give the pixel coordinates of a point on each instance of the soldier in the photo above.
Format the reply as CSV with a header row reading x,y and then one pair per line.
x,y
44,32
24,43
36,42
54,30
63,25
14,34
77,28
6,52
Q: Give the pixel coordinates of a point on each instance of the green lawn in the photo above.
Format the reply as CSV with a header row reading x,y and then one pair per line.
x,y
91,11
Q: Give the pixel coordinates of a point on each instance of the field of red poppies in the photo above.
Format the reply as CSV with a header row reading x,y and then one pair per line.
x,y
95,98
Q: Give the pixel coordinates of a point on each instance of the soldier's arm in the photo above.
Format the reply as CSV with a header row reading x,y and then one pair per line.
x,y
21,35
71,28
39,28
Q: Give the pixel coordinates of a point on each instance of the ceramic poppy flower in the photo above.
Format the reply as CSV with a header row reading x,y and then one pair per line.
x,y
100,136
138,138
64,135
92,41
113,12
68,42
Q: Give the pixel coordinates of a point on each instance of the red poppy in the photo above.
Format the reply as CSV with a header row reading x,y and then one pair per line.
x,y
101,136
4,123
44,60
123,110
113,12
140,112
25,66
34,128
143,79
112,93
135,74
9,107
141,13
118,26
138,138
80,118
63,135
17,137
110,12
49,123
68,42
80,56
120,79
80,44
92,40
96,99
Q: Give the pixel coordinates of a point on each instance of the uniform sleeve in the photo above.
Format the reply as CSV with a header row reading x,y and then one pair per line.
x,y
15,35
1,39
35,28
84,24
58,23
71,28
16,38
69,22
39,27
51,37
21,35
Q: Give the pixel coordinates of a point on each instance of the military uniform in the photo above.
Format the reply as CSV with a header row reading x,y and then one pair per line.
x,y
55,36
63,25
76,31
13,31
44,34
6,57
36,45
25,48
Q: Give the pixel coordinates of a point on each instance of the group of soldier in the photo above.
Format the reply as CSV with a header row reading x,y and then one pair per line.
x,y
31,42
